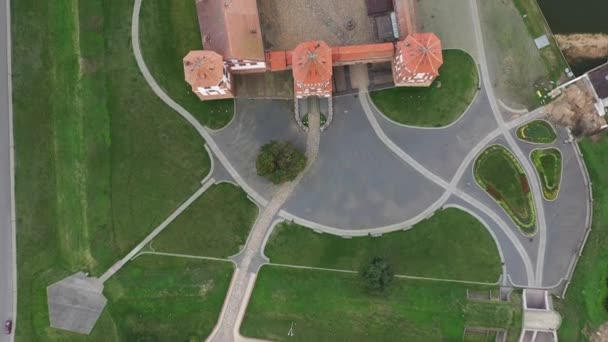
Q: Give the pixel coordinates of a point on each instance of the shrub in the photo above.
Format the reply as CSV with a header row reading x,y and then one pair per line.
x,y
606,304
280,162
377,275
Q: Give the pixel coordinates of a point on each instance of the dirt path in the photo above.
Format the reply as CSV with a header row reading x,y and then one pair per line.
x,y
583,45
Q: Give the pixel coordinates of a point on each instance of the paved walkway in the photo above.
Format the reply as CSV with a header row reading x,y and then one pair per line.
x,y
529,170
451,187
251,258
245,275
118,265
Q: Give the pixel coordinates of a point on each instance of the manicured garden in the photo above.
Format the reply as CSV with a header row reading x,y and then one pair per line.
x,y
334,306
499,173
158,298
583,308
100,160
537,132
450,245
548,165
169,29
438,105
216,224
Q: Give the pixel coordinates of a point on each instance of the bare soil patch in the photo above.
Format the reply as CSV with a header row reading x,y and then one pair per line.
x,y
285,24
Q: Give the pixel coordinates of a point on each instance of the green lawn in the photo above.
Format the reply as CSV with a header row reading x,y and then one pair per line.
x,y
159,298
498,172
548,164
169,29
217,224
583,308
537,132
438,105
450,245
100,161
333,306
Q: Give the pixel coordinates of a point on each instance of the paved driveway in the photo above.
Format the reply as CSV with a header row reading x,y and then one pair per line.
x,y
7,261
357,182
442,150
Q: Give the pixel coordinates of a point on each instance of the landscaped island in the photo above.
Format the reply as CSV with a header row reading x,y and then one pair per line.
x,y
548,164
499,173
537,132
438,105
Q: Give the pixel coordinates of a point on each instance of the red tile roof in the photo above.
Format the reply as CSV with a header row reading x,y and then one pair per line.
x,y
203,68
312,64
231,28
421,53
368,52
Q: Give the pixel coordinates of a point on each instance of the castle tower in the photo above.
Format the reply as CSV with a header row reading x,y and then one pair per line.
x,y
208,75
312,69
417,60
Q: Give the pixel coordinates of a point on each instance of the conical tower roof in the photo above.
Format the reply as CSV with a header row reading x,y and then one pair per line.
x,y
421,53
312,63
203,68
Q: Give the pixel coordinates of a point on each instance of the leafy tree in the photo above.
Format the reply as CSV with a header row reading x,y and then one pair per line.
x,y
377,275
280,161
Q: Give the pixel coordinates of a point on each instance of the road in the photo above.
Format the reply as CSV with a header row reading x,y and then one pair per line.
x,y
7,237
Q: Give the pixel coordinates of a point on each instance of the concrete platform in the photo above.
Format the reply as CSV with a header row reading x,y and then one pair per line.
x,y
75,303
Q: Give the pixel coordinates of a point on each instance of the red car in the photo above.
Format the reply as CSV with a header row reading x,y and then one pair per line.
x,y
8,326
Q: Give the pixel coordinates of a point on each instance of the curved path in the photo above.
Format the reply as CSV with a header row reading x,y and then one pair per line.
x,y
249,260
529,170
247,268
450,187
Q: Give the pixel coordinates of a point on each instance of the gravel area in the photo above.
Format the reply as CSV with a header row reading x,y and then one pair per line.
x,y
285,24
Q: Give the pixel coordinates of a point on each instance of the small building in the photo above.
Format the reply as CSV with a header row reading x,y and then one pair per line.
x,y
232,29
312,69
208,75
599,80
417,60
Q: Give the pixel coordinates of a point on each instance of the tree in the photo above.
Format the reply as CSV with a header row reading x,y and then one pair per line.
x,y
377,275
280,162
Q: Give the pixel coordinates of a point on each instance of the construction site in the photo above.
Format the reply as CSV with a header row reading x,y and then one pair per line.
x,y
580,104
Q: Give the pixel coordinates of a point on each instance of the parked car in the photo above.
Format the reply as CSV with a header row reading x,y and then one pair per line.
x,y
8,326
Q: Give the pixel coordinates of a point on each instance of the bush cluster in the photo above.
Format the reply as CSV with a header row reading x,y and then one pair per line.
x,y
280,161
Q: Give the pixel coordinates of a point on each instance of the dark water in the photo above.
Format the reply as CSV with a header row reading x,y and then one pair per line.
x,y
577,16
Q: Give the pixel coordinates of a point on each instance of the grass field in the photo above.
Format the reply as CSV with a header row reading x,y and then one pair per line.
x,y
438,105
537,132
217,224
548,165
537,26
518,69
167,299
583,308
498,172
450,245
333,306
98,164
169,29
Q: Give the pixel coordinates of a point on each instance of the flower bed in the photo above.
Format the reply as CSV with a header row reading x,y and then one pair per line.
x,y
548,165
537,132
498,172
